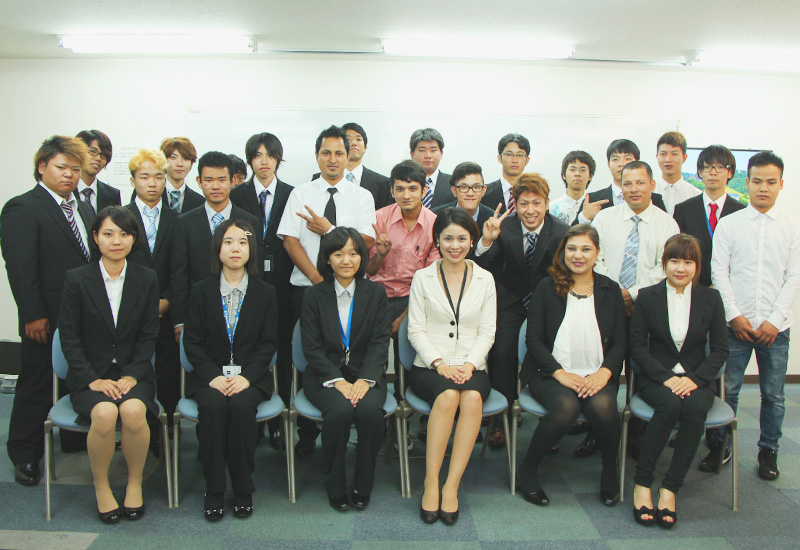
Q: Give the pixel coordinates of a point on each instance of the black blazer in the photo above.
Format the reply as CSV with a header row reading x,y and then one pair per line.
x,y
494,196
191,251
653,349
442,193
161,259
546,314
607,194
89,339
191,199
39,247
322,341
691,218
377,184
244,196
106,195
205,335
506,258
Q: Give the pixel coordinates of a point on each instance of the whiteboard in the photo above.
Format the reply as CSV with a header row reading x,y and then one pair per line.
x,y
467,137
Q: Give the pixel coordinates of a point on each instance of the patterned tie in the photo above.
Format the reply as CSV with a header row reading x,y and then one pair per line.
x,y
712,218
428,198
67,207
350,177
530,248
262,201
87,197
175,200
627,275
512,204
216,219
330,208
150,231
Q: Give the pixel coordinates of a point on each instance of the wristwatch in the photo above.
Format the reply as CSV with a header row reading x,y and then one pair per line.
x,y
436,364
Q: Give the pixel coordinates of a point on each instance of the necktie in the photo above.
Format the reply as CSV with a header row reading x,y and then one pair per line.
x,y
175,200
330,208
712,218
512,204
262,200
150,230
87,197
67,207
428,198
350,177
530,248
216,219
627,275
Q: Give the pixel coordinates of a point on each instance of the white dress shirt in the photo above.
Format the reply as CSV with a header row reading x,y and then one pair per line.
x,y
679,306
145,220
614,224
74,203
506,188
720,202
210,212
259,187
357,172
675,193
565,208
114,288
355,207
578,346
756,266
93,187
616,200
431,180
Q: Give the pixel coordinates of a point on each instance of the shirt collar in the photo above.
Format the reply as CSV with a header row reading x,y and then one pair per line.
x,y
350,289
676,185
719,202
259,187
107,278
141,205
433,177
673,291
646,215
396,216
505,185
358,172
225,287
753,213
226,212
181,189
525,231
341,186
71,200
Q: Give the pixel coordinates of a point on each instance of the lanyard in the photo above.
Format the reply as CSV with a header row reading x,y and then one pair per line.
x,y
346,336
231,332
457,309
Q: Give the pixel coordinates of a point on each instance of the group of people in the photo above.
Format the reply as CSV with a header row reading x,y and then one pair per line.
x,y
600,277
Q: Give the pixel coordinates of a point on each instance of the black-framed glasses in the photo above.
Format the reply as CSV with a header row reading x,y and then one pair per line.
x,y
718,168
464,188
95,152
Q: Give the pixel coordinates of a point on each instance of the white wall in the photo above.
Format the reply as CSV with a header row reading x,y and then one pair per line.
x,y
147,99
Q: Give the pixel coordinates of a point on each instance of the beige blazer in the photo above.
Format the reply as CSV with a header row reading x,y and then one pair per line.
x,y
431,321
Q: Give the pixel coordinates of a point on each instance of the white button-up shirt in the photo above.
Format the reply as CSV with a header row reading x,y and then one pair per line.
x,y
676,193
565,208
114,288
259,187
679,306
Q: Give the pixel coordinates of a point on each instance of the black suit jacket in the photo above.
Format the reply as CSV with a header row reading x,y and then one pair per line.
x,y
191,250
494,196
691,218
205,335
39,247
441,192
244,196
106,195
89,339
607,194
322,341
191,199
546,314
377,184
653,349
161,259
506,258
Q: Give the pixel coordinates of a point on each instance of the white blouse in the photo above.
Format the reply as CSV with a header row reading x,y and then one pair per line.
x,y
679,306
578,347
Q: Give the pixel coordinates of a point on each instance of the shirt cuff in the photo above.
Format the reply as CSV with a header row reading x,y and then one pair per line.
x,y
330,383
583,219
179,325
370,382
480,249
776,319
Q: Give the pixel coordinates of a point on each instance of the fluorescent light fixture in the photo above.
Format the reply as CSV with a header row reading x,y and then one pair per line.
x,y
157,43
748,60
481,48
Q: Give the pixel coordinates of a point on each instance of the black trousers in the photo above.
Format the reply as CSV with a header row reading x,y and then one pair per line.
x,y
691,411
307,430
283,363
503,359
227,435
168,367
396,307
338,414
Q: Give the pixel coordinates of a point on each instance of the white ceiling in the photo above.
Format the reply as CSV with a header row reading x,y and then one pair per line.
x,y
632,30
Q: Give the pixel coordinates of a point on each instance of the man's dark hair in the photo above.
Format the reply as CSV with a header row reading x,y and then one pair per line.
x,y
463,170
676,139
103,141
764,158
716,154
578,156
332,132
519,139
335,240
635,165
216,245
426,134
408,171
239,167
214,159
270,142
622,147
122,218
356,128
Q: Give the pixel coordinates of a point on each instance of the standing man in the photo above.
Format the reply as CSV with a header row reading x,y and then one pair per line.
x,y
756,268
517,248
43,233
427,148
699,215
313,210
91,190
513,154
181,156
671,154
577,171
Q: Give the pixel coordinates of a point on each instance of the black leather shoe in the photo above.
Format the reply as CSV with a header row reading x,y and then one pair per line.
x,y
711,461
359,502
27,473
587,447
578,428
609,498
539,498
213,509
497,439
448,518
428,516
305,447
242,505
340,504
133,513
768,464
109,517
275,440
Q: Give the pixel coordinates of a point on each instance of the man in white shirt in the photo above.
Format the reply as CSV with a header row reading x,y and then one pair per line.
x,y
427,148
671,154
756,268
577,171
513,154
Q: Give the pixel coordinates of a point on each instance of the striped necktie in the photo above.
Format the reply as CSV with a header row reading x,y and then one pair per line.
x,y
512,204
87,197
529,250
67,207
627,275
427,200
150,230
216,219
175,200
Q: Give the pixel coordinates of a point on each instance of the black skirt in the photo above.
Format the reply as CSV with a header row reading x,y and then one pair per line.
x,y
428,384
84,400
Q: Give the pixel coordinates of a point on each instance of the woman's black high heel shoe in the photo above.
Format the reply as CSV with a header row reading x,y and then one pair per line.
x,y
448,518
428,516
644,510
213,509
109,517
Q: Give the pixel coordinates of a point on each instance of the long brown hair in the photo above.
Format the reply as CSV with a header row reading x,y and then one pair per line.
x,y
562,276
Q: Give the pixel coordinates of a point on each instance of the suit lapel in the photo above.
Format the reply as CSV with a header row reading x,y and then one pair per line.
x,y
662,314
143,236
57,213
165,222
96,288
331,308
130,294
514,239
541,245
700,217
696,312
215,298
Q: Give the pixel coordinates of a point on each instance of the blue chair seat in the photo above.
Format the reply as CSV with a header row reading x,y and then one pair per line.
x,y
720,414
64,416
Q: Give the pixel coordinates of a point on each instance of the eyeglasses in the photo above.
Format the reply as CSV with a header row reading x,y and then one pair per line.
x,y
95,152
463,188
509,155
718,168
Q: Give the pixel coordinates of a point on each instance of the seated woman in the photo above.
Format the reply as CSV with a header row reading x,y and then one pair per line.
x,y
576,340
229,338
673,325
108,327
451,324
345,334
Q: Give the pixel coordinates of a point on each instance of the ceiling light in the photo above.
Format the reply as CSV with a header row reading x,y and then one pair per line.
x,y
481,48
748,60
155,43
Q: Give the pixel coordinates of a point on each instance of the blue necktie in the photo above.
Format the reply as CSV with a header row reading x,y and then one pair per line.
x,y
529,250
351,178
175,200
627,275
427,200
150,230
262,201
216,219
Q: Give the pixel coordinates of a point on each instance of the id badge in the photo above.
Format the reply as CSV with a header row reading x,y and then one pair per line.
x,y
231,370
458,362
267,264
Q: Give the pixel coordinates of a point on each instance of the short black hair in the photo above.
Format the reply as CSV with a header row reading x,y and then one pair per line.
x,y
714,154
216,245
122,218
519,139
635,165
335,240
332,132
214,159
764,158
622,147
239,167
408,171
463,170
426,134
356,128
578,156
270,142
103,141
457,216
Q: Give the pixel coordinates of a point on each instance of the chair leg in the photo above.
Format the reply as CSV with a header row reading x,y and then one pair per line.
x,y
175,457
48,459
623,452
167,458
292,417
510,450
404,450
735,465
515,413
486,439
398,434
52,464
287,428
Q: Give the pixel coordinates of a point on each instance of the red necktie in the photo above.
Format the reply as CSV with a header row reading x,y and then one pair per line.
x,y
712,218
512,205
